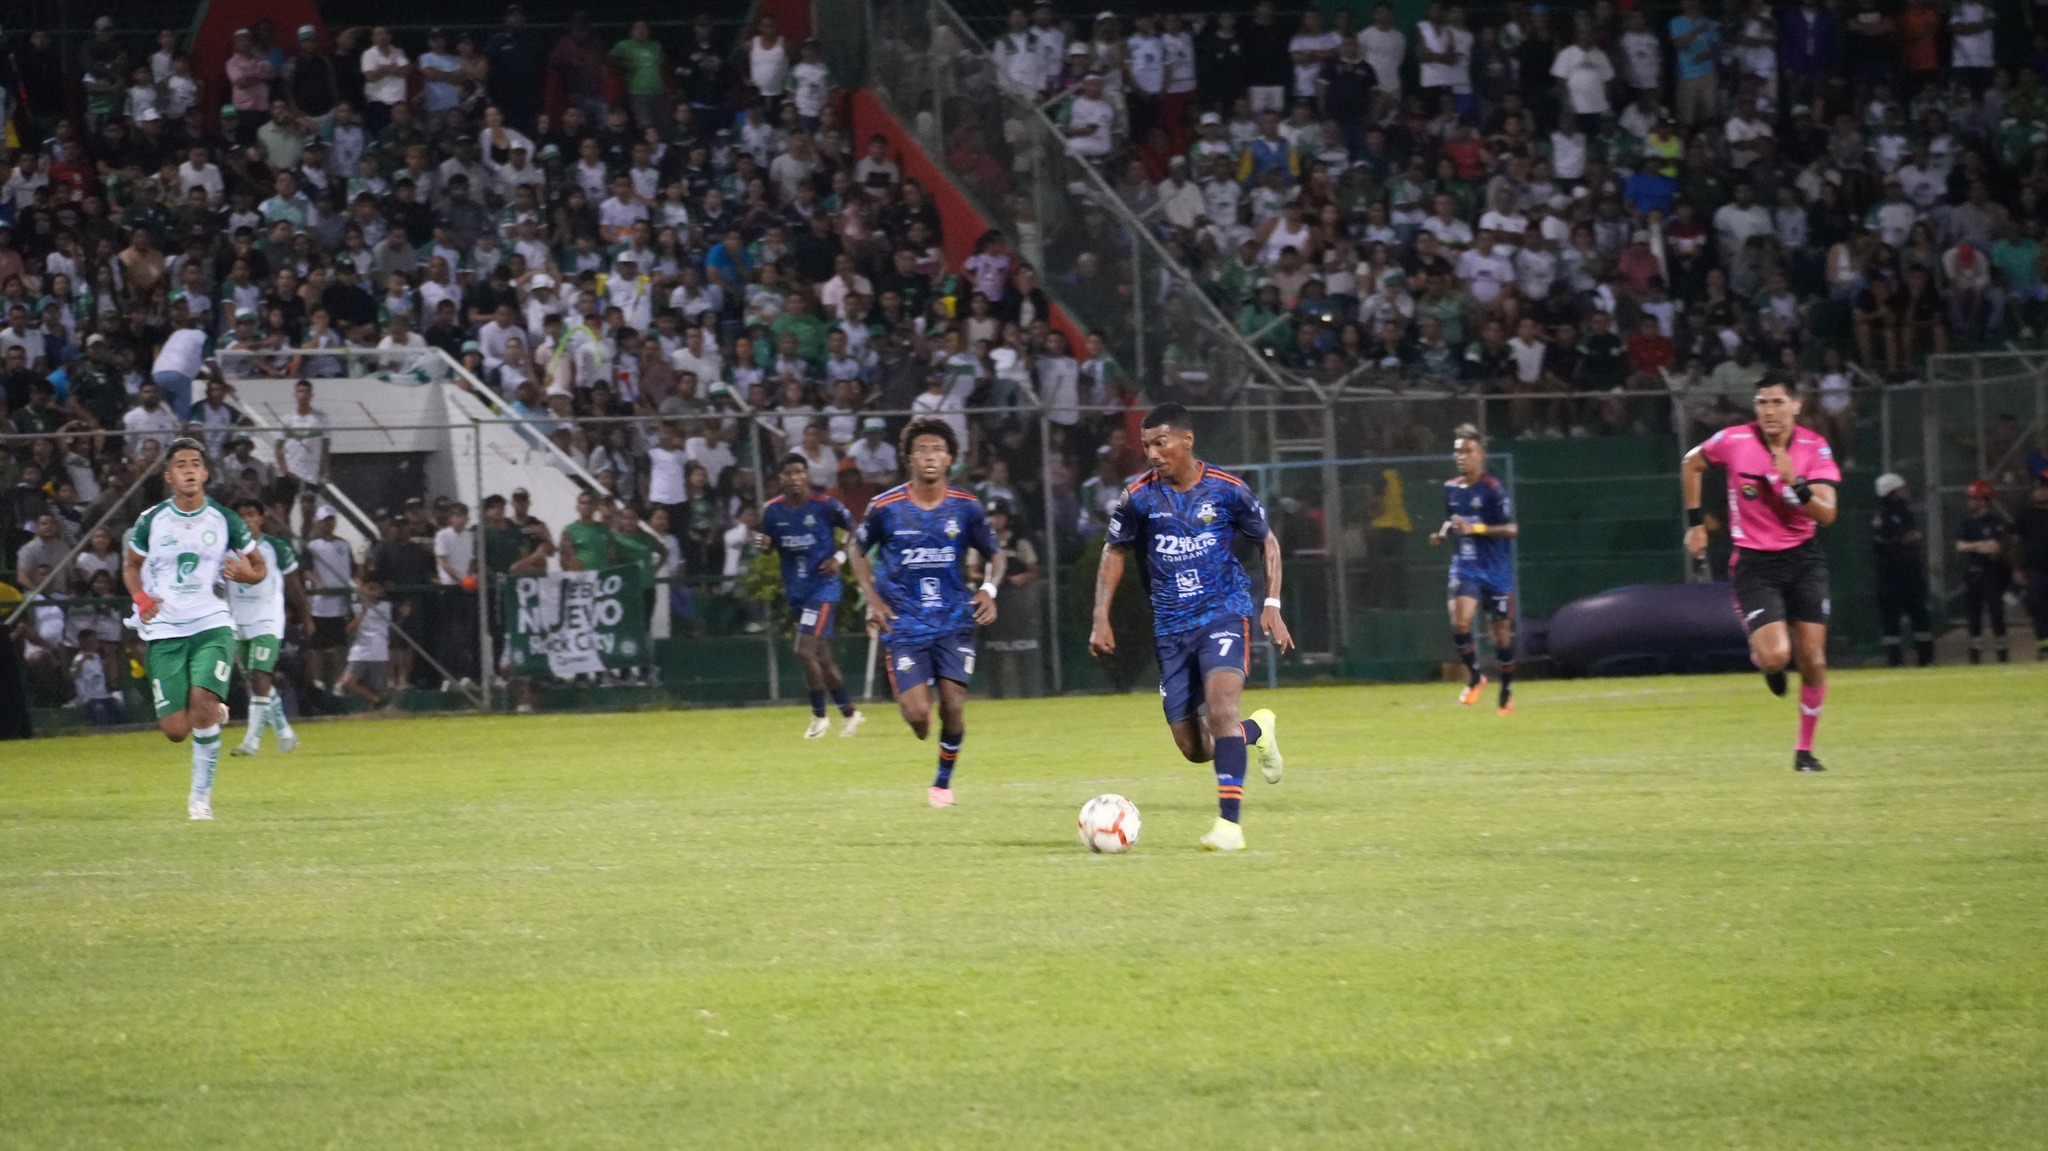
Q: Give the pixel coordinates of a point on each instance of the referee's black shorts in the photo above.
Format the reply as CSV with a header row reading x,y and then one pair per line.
x,y
1775,587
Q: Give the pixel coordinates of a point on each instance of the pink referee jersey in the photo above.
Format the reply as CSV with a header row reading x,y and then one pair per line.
x,y
1761,513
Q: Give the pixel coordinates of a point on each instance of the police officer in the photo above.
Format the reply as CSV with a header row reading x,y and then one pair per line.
x,y
1901,571
1981,540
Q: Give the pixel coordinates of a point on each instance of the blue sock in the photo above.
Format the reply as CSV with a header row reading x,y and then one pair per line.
x,y
1252,731
949,754
1506,652
841,700
1469,652
818,704
1229,776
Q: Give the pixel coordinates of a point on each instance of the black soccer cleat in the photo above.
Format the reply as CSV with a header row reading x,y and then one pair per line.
x,y
1775,680
1804,761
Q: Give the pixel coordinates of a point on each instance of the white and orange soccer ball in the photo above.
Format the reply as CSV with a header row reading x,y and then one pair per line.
x,y
1109,824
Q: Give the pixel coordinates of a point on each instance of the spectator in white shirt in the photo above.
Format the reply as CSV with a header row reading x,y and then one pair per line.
x,y
1091,121
873,454
1585,71
385,68
1384,48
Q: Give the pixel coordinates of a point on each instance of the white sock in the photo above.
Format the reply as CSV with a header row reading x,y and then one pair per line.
x,y
277,716
205,758
259,718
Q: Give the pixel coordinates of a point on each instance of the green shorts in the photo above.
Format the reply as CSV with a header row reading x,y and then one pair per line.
x,y
258,653
178,665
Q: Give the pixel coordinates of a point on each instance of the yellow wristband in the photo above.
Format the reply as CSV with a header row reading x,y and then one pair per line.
x,y
1478,529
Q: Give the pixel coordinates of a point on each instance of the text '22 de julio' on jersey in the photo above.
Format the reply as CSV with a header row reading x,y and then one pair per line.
x,y
802,535
921,572
1189,569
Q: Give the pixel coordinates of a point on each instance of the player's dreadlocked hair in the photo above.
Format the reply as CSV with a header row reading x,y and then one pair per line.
x,y
185,444
928,426
1467,432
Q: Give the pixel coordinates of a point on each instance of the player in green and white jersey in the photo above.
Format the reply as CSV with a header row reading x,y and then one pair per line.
x,y
180,557
260,611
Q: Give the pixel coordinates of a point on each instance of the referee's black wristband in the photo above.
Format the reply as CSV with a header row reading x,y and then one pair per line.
x,y
1801,490
1694,517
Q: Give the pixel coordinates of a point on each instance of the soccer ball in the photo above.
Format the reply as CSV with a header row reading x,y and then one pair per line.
x,y
1109,824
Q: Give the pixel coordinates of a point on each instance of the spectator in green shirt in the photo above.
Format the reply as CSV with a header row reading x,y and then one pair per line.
x,y
503,542
642,69
2018,255
635,545
587,544
798,320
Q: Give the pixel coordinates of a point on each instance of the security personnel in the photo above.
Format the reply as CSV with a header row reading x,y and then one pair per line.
x,y
1981,540
1901,571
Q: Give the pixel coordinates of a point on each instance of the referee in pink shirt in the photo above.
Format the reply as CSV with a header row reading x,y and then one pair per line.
x,y
1781,489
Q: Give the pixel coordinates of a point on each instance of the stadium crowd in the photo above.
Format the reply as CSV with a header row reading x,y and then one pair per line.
x,y
1555,208
681,233
1556,199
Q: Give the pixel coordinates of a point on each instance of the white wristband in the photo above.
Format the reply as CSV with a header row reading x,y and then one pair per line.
x,y
991,589
1272,601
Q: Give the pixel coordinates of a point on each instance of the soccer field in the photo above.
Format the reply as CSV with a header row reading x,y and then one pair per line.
x,y
1615,920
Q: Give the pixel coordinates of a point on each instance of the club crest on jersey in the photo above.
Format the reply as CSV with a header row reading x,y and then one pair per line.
x,y
208,537
952,529
1749,491
1206,513
810,521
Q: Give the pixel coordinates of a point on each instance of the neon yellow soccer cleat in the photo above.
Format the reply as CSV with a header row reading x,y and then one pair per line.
x,y
1225,836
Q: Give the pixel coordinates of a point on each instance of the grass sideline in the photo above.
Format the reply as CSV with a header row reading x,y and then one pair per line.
x,y
1615,920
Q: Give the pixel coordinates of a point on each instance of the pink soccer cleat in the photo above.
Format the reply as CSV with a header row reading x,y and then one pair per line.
x,y
939,796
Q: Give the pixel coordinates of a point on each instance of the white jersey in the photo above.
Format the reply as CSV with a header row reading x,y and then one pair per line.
x,y
258,608
181,555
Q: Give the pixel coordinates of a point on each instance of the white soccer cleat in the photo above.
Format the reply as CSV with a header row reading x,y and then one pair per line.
x,y
198,809
1225,836
1268,746
242,749
288,742
852,724
819,726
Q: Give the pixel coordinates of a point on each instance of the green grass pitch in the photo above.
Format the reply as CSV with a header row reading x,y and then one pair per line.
x,y
1614,920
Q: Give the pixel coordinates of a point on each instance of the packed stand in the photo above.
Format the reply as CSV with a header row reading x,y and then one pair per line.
x,y
1567,209
678,235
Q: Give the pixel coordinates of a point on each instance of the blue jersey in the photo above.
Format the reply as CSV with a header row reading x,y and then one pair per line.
x,y
920,569
1490,558
802,535
1185,538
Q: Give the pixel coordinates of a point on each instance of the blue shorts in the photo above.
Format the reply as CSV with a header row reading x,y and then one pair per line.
x,y
1496,595
927,661
1187,659
815,617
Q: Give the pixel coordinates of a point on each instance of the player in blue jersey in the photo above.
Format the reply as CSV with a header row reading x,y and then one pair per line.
x,y
917,594
1481,518
802,524
1183,516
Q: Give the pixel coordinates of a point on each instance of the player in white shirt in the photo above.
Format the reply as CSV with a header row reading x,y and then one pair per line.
x,y
179,556
260,610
